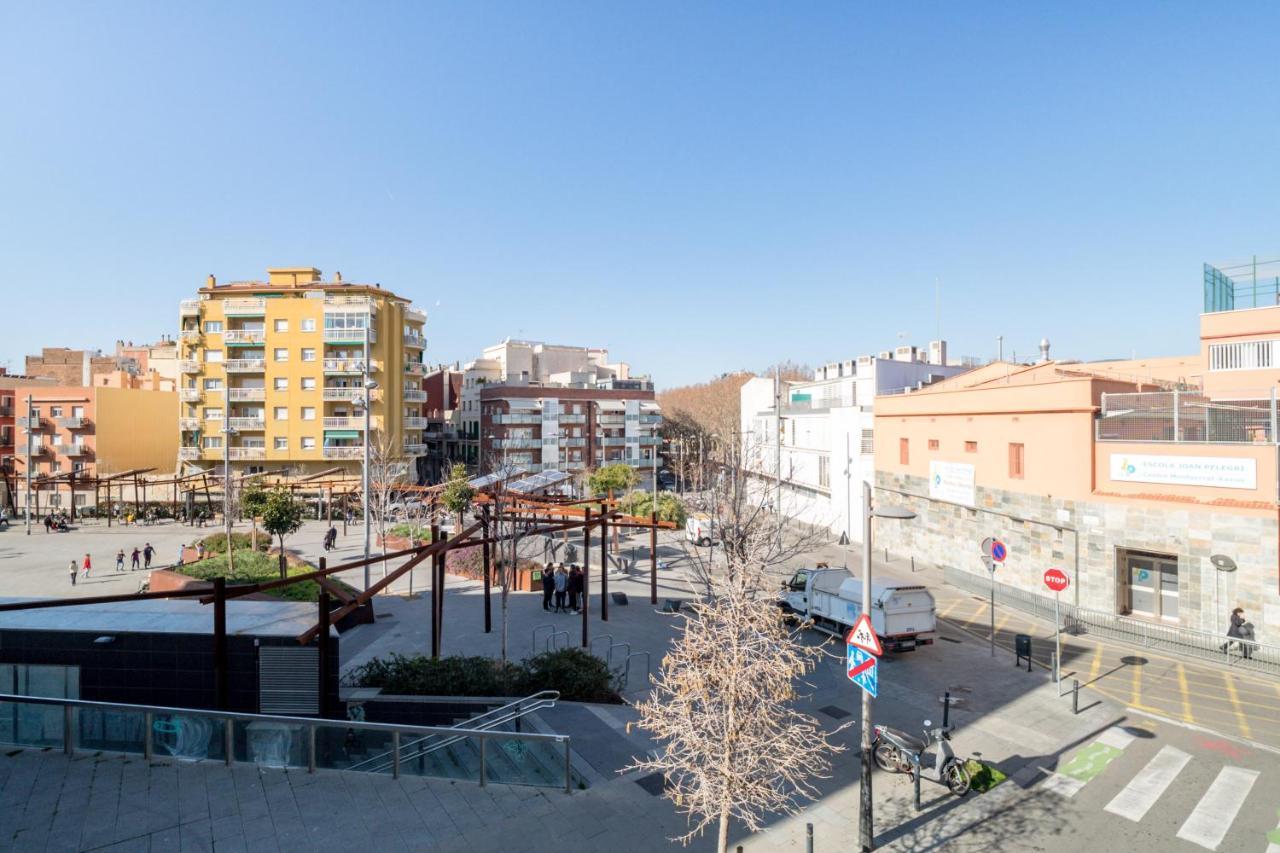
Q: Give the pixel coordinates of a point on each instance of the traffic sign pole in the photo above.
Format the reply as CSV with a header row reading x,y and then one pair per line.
x,y
1057,580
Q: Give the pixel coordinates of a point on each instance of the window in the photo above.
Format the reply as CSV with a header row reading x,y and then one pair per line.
x,y
214,326
213,385
280,443
308,383
213,442
212,414
280,354
933,444
308,413
1244,355
971,447
1016,460
77,411
824,471
55,411
281,325
309,324
55,468
308,443
868,442
57,439
308,354
904,451
212,356
280,413
281,383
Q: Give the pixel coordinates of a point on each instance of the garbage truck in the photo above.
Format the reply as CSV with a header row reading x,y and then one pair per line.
x,y
904,615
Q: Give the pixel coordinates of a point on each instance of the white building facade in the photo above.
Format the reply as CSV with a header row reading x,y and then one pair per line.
x,y
826,426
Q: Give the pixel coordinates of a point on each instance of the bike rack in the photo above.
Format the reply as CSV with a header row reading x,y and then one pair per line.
x,y
591,647
609,658
533,640
551,639
648,666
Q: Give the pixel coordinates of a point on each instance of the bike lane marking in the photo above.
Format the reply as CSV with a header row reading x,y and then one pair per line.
x,y
1144,789
1217,809
1273,837
1086,764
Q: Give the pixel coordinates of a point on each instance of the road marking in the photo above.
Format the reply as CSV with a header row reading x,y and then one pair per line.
x,y
1116,737
1096,666
1144,789
1186,698
1235,703
1088,763
1136,689
1213,815
1273,837
948,609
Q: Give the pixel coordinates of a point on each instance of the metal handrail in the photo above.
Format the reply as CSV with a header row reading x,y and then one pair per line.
x,y
313,723
551,640
533,638
495,717
648,667
609,657
591,647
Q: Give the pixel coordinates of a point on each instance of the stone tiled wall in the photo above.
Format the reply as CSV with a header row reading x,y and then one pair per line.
x,y
950,535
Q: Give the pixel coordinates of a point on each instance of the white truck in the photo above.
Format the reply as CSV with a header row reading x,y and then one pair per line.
x,y
701,529
903,614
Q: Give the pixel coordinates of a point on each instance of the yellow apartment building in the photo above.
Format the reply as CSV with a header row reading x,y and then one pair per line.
x,y
277,371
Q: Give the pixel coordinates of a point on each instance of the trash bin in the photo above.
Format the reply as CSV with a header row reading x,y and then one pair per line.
x,y
1022,649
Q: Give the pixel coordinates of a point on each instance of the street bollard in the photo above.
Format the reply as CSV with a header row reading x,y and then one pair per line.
x,y
918,774
1075,696
808,838
946,709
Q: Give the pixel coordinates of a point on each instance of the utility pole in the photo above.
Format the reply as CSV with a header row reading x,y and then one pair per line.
x,y
866,831
30,462
364,474
227,432
777,408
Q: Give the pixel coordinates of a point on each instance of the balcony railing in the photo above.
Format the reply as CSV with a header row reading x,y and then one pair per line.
x,y
414,448
341,301
189,308
356,452
414,315
533,420
190,395
30,423
350,336
414,423
415,395
72,422
241,453
74,449
611,441
188,424
245,365
517,443
341,393
416,368
250,395
344,423
244,307
244,336
415,341
189,336
1186,417
611,420
188,365
346,365
188,453
651,419
32,450
254,424
573,419
574,442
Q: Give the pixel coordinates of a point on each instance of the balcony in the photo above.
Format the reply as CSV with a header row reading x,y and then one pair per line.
x,y
651,419
73,422
611,420
189,424
415,368
249,395
532,420
650,440
188,365
573,419
414,423
349,336
346,365
189,336
244,307
356,452
245,365
254,424
189,308
32,450
415,395
74,449
414,448
189,454
236,454
517,443
342,301
574,442
341,394
612,441
190,395
415,341
344,423
244,336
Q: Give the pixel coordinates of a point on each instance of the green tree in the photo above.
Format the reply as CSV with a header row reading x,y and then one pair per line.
x,y
253,500
281,517
641,503
457,493
612,479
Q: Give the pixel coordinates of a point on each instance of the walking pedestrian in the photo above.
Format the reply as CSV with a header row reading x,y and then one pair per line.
x,y
133,567
120,560
562,586
575,588
1234,629
74,571
200,550
548,586
182,554
88,564
147,553
48,523
1247,639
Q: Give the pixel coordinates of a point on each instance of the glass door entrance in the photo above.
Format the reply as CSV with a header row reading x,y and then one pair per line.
x,y
1149,585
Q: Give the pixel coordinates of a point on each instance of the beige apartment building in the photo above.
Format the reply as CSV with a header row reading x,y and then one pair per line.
x,y
274,373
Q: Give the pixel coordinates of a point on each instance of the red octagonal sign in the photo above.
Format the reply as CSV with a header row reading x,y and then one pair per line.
x,y
1056,580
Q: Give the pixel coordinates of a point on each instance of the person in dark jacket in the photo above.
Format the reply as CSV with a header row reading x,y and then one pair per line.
x,y
1235,629
548,586
575,587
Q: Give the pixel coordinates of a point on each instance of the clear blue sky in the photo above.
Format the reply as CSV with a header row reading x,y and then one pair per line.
x,y
782,180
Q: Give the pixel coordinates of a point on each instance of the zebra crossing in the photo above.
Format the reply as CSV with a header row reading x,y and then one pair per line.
x,y
1206,825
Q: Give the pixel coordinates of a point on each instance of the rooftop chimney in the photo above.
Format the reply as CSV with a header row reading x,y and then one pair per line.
x,y
211,281
1044,350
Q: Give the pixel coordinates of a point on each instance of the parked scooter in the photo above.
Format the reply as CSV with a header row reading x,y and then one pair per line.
x,y
895,751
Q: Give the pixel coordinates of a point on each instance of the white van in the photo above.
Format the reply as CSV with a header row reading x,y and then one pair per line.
x,y
701,530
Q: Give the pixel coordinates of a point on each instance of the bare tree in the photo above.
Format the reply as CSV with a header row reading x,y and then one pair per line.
x,y
732,746
387,471
505,533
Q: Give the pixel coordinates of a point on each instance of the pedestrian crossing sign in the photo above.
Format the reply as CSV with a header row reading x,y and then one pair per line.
x,y
862,669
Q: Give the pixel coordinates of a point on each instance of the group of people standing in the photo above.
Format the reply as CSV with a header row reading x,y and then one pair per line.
x,y
140,558
562,588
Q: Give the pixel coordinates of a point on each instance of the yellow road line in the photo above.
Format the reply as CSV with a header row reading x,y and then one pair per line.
x,y
1186,699
1096,666
1000,625
1136,686
1235,701
948,608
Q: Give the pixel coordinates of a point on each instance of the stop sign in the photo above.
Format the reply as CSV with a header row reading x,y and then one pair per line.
x,y
1056,580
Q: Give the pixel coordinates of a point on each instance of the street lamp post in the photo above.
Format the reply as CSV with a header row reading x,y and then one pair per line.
x,y
366,402
227,433
866,833
30,461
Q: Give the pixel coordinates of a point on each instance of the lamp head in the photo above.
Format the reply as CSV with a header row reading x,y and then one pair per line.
x,y
893,511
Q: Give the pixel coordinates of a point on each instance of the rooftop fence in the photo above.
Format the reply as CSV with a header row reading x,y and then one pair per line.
x,y
1186,417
